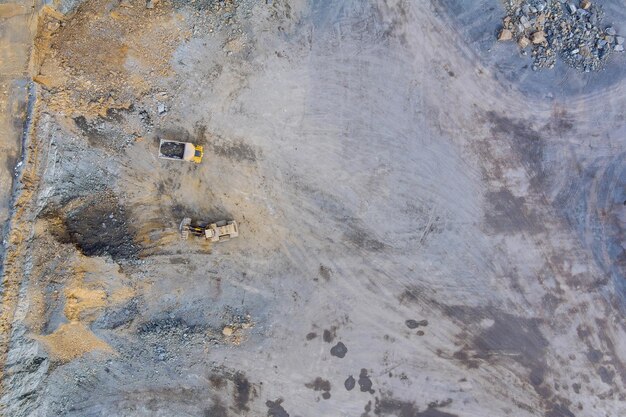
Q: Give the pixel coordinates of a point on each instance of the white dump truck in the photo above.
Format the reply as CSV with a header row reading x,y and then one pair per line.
x,y
180,151
215,232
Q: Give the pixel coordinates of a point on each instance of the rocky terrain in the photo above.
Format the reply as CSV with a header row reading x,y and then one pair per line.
x,y
428,226
573,30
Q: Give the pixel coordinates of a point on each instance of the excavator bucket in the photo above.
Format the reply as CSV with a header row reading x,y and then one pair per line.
x,y
184,228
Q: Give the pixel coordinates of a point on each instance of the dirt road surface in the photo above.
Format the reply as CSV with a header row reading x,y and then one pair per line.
x,y
428,228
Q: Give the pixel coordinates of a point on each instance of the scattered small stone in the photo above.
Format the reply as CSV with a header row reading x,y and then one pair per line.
x,y
572,8
568,29
523,42
227,331
538,37
161,108
505,35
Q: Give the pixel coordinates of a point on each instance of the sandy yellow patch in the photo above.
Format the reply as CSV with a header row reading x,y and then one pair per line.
x,y
80,300
72,340
121,295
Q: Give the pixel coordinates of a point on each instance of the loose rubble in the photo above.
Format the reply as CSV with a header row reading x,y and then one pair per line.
x,y
570,29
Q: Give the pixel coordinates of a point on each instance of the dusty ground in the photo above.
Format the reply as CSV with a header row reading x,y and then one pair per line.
x,y
427,227
18,26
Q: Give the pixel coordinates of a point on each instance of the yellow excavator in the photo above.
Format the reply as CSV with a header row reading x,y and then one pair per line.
x,y
215,232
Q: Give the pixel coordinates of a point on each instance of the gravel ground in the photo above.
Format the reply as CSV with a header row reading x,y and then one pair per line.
x,y
428,228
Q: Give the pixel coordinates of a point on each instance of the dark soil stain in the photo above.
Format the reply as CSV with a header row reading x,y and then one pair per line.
x,y
97,226
275,408
440,404
311,336
606,375
433,412
177,134
414,324
349,383
216,410
94,136
550,302
559,410
330,334
237,150
388,406
392,406
178,261
355,231
363,240
365,383
506,213
611,349
319,384
241,392
464,357
509,338
524,139
513,334
409,295
217,381
339,350
169,327
325,272
11,161
594,355
118,316
199,218
560,123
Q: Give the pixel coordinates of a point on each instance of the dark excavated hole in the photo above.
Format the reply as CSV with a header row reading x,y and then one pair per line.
x,y
97,226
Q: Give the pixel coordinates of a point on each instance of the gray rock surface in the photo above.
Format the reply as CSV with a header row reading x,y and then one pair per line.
x,y
409,193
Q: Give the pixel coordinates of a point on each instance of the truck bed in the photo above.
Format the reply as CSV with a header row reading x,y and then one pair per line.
x,y
174,150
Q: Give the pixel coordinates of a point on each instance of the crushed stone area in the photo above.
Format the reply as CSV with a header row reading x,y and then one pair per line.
x,y
571,30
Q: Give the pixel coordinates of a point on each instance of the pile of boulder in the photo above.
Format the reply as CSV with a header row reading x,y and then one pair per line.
x,y
570,29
